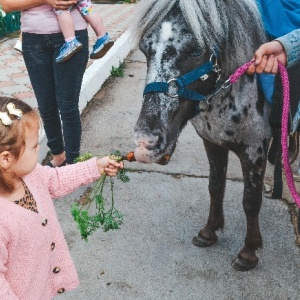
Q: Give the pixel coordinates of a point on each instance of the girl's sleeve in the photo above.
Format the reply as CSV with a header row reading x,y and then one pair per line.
x,y
64,180
5,289
291,44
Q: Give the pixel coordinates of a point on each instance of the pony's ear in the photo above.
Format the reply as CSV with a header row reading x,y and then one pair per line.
x,y
6,159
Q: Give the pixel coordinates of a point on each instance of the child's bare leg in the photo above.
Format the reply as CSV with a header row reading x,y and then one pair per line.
x,y
97,24
66,24
103,43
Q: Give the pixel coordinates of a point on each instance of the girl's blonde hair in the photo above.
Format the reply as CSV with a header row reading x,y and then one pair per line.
x,y
12,137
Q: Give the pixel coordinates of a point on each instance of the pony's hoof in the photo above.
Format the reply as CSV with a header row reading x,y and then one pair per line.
x,y
241,264
201,241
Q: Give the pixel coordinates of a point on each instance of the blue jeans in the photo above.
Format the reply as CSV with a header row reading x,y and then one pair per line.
x,y
57,88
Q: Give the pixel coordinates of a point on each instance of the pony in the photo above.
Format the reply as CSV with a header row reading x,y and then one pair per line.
x,y
191,48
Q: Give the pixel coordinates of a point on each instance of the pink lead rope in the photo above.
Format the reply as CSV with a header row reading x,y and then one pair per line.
x,y
240,71
284,123
284,133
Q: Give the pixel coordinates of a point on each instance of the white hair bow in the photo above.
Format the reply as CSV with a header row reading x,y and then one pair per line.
x,y
4,117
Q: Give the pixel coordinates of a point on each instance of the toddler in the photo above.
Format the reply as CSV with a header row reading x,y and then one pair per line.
x,y
72,45
35,262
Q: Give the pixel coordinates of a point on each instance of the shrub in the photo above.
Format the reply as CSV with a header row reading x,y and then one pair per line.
x,y
9,22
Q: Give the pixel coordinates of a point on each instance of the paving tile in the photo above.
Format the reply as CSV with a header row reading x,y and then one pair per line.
x,y
18,75
14,88
23,95
4,84
2,66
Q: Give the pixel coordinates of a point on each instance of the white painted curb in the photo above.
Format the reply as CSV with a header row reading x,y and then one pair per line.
x,y
99,71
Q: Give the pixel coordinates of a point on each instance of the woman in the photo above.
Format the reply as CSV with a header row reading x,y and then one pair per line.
x,y
56,86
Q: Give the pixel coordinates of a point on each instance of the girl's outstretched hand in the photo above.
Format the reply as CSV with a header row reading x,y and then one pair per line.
x,y
108,166
266,58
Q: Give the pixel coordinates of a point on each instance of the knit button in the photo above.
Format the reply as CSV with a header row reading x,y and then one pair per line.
x,y
56,270
52,246
61,290
44,223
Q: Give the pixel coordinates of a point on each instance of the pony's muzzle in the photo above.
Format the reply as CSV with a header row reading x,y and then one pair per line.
x,y
150,147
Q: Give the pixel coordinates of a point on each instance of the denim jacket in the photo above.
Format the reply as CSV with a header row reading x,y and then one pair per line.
x,y
291,44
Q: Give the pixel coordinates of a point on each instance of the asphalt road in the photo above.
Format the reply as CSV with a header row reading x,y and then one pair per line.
x,y
152,256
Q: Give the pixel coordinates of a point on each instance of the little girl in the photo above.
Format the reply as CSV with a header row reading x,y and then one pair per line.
x,y
35,263
72,45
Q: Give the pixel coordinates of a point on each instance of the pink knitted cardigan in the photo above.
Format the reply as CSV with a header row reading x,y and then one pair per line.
x,y
35,263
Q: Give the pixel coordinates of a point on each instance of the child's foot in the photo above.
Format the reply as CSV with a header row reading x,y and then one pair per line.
x,y
68,50
101,47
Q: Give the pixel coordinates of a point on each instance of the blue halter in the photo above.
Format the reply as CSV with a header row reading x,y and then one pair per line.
x,y
183,81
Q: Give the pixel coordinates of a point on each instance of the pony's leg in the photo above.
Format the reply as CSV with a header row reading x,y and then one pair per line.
x,y
218,159
253,174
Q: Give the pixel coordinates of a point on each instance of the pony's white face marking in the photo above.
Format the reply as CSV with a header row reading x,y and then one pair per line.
x,y
162,40
166,31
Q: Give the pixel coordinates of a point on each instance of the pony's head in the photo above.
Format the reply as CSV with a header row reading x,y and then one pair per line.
x,y
178,36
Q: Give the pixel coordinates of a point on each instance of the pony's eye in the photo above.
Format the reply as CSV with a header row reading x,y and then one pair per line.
x,y
196,53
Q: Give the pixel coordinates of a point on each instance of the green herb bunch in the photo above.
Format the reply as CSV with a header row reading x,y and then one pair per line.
x,y
107,219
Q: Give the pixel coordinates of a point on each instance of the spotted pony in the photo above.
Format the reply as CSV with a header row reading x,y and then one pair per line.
x,y
192,47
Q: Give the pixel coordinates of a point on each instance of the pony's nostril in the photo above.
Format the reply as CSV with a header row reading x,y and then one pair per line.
x,y
152,144
148,142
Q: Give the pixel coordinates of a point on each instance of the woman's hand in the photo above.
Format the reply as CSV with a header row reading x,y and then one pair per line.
x,y
108,166
61,4
266,58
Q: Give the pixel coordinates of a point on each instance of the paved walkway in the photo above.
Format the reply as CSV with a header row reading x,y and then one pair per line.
x,y
14,80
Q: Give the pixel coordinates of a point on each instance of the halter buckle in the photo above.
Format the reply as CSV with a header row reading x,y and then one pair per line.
x,y
175,95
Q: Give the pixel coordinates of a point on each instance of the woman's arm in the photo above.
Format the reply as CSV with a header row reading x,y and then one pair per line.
x,y
17,5
291,44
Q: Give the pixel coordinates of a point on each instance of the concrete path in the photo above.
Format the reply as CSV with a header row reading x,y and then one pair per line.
x,y
151,256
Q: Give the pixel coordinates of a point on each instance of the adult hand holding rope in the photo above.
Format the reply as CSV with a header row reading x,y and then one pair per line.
x,y
266,58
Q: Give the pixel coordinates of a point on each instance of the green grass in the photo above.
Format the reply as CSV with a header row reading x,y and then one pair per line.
x,y
118,71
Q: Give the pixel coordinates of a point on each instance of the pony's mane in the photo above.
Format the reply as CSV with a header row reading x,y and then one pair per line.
x,y
212,22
